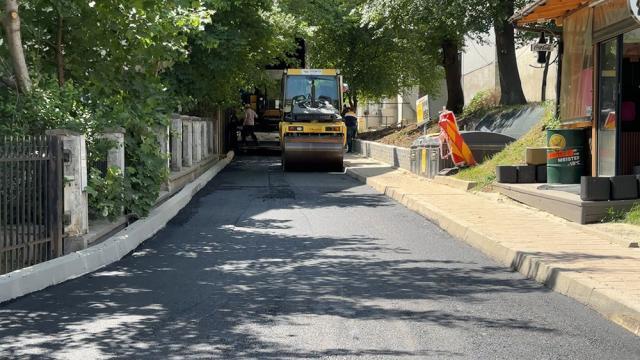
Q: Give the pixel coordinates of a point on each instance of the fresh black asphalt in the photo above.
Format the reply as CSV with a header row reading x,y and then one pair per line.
x,y
263,264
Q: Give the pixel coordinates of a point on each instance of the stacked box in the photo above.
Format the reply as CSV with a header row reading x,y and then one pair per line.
x,y
595,188
624,187
507,174
526,174
536,156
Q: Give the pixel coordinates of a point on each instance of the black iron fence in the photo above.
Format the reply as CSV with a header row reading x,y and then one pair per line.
x,y
31,201
379,121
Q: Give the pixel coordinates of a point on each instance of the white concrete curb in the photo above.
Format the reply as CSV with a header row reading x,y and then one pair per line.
x,y
34,278
574,286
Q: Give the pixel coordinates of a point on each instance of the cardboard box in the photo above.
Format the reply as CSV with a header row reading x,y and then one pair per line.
x,y
536,156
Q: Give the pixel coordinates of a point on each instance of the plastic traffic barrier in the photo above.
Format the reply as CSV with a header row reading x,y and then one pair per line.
x,y
458,149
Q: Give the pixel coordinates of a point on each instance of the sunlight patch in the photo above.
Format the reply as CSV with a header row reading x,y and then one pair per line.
x,y
111,274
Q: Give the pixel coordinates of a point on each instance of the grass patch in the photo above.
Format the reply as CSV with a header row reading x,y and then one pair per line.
x,y
485,173
633,216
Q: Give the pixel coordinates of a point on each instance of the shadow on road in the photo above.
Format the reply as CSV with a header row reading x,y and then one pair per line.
x,y
206,285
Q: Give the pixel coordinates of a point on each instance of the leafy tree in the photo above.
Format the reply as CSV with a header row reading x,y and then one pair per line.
x,y
375,62
435,26
98,64
12,29
242,38
107,63
441,25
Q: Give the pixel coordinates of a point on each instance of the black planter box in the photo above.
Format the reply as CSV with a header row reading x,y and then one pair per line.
x,y
624,187
595,188
541,174
526,174
507,174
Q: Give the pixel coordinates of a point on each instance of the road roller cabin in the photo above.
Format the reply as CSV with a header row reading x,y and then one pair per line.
x,y
312,133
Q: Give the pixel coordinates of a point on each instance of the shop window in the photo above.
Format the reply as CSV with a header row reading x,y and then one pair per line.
x,y
576,96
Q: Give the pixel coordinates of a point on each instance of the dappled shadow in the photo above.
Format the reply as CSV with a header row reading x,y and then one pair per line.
x,y
196,296
237,276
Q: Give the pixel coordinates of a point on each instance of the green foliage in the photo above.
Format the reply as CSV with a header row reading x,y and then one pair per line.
x,y
47,106
481,103
633,216
375,61
115,58
432,29
144,179
613,216
553,122
231,53
135,191
107,194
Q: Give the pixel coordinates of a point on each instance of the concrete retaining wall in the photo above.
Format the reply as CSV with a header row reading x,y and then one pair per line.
x,y
393,155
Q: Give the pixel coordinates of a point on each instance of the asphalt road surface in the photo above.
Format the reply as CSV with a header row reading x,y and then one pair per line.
x,y
268,265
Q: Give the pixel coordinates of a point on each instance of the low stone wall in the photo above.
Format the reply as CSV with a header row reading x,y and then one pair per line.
x,y
393,155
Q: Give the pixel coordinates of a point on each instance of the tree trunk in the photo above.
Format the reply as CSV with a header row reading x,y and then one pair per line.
x,y
510,84
453,75
60,50
11,24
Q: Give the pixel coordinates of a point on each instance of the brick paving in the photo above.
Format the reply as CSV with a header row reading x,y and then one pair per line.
x,y
569,258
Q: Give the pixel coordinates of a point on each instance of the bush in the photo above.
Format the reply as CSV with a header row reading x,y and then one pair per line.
x,y
107,194
90,110
633,216
482,102
48,106
630,217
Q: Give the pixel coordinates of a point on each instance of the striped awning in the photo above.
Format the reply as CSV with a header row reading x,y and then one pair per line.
x,y
547,10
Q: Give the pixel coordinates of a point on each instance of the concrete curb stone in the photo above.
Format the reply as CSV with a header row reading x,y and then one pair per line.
x,y
564,281
67,267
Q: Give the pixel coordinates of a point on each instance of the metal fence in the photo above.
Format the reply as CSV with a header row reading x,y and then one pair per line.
x,y
379,121
31,201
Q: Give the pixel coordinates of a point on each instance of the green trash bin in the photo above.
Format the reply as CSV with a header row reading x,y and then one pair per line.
x,y
565,156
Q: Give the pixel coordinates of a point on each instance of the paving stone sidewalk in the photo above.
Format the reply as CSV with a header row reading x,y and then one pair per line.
x,y
568,258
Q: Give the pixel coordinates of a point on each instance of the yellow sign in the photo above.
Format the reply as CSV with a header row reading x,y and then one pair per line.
x,y
422,109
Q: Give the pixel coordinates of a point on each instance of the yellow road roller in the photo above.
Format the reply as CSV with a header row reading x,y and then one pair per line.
x,y
312,133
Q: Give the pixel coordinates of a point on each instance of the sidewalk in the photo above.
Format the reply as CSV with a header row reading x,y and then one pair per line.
x,y
568,258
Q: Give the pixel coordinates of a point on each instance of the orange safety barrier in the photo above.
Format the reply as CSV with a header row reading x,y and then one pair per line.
x,y
450,135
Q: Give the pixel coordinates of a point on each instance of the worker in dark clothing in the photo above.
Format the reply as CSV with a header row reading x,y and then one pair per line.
x,y
232,128
351,121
